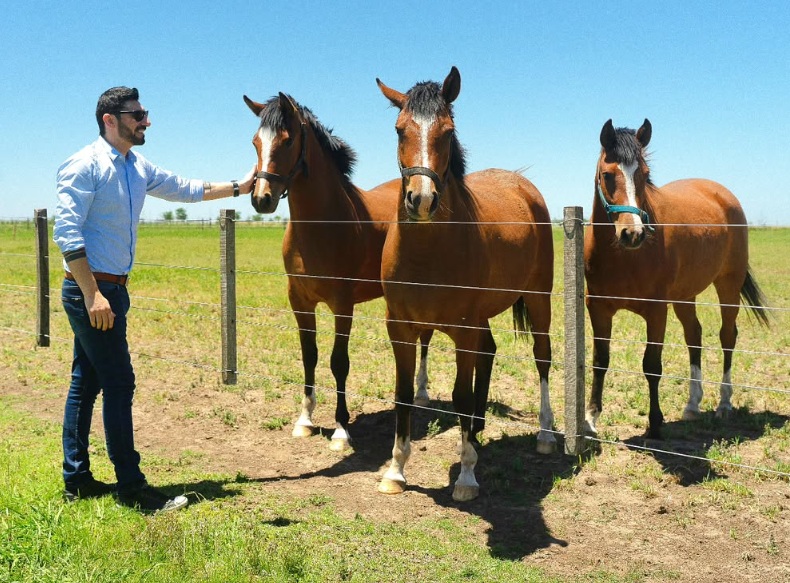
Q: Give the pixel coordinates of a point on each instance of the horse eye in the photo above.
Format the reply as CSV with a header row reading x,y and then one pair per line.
x,y
609,183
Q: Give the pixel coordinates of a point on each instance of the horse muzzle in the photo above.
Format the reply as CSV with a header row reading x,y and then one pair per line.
x,y
631,236
266,196
420,196
420,207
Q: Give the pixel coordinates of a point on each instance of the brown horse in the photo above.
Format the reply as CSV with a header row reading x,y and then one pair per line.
x,y
649,247
463,249
333,241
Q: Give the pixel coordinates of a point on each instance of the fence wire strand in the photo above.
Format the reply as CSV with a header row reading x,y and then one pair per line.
x,y
24,290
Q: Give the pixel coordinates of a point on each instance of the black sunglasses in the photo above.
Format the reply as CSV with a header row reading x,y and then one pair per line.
x,y
137,114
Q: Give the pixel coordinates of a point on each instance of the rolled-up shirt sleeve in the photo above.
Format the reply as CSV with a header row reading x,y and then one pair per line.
x,y
75,190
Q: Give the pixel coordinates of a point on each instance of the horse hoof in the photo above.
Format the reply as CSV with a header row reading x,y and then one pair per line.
x,y
387,486
546,447
589,429
340,445
421,401
690,415
465,493
302,431
722,413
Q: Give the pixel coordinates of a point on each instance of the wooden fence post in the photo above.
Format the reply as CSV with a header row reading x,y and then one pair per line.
x,y
227,251
42,277
574,330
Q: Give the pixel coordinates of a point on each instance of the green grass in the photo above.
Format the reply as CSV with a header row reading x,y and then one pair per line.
x,y
304,539
236,530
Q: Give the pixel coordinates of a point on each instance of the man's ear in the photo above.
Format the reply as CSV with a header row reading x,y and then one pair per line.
x,y
110,121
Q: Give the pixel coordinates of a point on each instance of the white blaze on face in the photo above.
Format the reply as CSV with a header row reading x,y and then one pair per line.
x,y
266,137
425,124
628,171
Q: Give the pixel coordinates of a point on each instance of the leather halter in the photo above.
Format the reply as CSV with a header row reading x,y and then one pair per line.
x,y
423,171
622,208
301,164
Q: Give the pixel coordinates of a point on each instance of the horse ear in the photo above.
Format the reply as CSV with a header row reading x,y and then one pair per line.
x,y
608,137
452,85
289,108
396,98
254,106
643,134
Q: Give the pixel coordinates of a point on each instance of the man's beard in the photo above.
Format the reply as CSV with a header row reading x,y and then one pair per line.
x,y
130,135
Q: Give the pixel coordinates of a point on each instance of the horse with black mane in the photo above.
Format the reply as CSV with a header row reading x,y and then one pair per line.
x,y
463,249
333,240
649,247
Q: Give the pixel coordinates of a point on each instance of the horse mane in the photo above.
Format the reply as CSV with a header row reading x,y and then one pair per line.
x,y
342,155
628,150
425,100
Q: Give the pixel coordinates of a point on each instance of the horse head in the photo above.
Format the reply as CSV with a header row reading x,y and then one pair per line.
x,y
427,146
280,143
621,179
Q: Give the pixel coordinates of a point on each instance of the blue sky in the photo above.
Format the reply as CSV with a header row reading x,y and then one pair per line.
x,y
539,79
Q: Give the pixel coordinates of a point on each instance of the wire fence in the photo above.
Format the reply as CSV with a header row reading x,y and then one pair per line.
x,y
227,310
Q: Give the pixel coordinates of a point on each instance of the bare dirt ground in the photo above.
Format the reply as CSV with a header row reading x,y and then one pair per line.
x,y
637,514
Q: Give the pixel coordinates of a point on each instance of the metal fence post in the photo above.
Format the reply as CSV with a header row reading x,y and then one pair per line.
x,y
574,330
227,252
42,277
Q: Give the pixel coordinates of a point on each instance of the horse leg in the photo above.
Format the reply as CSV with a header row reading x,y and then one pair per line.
x,y
602,333
728,293
692,331
305,321
466,487
482,379
422,398
403,340
339,364
539,310
656,317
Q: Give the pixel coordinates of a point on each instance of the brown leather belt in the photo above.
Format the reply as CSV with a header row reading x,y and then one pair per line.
x,y
109,277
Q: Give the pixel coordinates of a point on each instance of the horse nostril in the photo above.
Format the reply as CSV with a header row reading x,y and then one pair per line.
x,y
434,203
632,238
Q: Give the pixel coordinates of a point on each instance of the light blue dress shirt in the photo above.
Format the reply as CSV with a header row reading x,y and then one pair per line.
x,y
100,198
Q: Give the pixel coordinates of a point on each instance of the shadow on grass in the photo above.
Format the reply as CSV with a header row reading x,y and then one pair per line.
x,y
207,489
514,479
684,442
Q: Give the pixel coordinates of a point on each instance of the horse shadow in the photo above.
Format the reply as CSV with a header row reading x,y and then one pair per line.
x,y
686,449
514,478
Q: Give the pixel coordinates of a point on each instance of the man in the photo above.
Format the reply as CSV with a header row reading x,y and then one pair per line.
x,y
101,191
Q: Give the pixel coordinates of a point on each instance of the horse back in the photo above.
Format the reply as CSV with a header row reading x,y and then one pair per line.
x,y
342,251
700,237
697,201
517,218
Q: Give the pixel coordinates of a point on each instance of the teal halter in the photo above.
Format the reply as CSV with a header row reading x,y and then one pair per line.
x,y
622,208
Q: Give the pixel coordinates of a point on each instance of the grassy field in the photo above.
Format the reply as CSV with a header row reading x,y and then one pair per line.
x,y
262,534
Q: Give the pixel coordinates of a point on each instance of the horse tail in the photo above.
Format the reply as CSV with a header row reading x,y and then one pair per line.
x,y
754,299
521,322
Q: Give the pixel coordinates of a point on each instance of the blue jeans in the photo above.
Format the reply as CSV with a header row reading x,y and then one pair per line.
x,y
101,363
